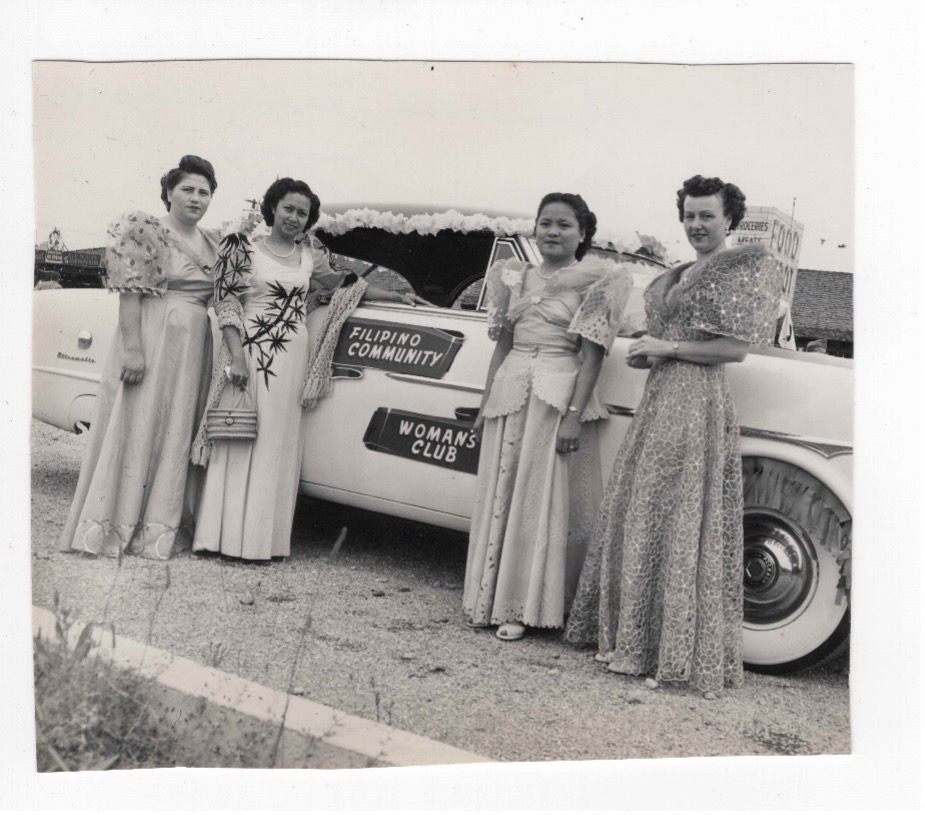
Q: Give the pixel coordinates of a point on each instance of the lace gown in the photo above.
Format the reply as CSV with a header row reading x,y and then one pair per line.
x,y
661,590
248,500
137,489
535,508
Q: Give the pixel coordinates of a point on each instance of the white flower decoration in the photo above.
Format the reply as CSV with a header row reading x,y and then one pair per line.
x,y
424,224
511,277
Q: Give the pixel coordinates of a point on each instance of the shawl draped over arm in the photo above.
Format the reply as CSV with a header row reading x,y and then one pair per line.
x,y
348,291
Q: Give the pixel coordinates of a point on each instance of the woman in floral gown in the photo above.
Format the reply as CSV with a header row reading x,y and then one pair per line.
x,y
661,591
539,478
136,488
263,293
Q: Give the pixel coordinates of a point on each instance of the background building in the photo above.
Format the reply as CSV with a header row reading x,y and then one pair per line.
x,y
823,309
83,269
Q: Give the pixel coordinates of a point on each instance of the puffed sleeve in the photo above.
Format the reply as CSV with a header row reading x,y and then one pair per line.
x,y
737,294
137,255
634,319
501,279
232,279
326,278
602,304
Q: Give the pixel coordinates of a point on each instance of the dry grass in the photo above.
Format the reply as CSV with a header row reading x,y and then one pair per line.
x,y
90,715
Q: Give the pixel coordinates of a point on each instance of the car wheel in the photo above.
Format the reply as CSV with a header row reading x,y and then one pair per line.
x,y
796,568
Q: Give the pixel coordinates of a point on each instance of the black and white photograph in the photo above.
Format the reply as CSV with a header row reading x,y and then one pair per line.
x,y
389,415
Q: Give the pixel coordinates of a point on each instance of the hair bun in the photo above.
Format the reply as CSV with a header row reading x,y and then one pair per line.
x,y
189,165
197,164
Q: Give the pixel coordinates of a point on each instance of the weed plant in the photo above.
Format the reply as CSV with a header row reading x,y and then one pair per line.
x,y
90,715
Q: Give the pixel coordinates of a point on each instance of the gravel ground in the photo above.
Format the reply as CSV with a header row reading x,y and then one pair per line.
x,y
385,639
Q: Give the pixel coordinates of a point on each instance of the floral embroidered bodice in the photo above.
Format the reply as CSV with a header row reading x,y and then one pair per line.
x,y
145,256
549,319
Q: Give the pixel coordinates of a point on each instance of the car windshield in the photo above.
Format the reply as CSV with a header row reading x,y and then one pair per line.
x,y
376,274
448,268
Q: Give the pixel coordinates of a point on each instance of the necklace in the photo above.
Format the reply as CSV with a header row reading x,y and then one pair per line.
x,y
277,254
539,270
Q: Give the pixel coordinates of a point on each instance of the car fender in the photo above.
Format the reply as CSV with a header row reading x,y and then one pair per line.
x,y
834,468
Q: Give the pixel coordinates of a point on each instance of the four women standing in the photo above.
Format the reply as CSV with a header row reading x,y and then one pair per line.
x,y
660,592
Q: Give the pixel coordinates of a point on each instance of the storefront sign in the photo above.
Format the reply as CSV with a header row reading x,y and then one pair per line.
x,y
780,234
90,259
54,257
428,439
408,349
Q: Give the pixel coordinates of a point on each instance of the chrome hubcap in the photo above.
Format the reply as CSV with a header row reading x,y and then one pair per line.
x,y
781,570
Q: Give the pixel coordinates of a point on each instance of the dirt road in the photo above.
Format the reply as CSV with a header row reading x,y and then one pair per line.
x,y
378,632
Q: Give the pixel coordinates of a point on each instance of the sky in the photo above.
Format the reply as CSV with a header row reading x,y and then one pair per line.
x,y
488,135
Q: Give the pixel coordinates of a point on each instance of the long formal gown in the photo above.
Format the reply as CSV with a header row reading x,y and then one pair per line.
x,y
661,592
248,500
137,489
535,507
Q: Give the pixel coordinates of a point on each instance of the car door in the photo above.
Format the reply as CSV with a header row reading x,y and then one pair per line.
x,y
395,434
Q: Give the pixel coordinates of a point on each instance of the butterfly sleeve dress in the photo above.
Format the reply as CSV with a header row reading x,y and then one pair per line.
x,y
535,507
136,491
661,591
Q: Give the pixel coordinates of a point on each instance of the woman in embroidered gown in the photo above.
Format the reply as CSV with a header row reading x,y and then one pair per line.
x,y
134,493
539,478
661,590
262,295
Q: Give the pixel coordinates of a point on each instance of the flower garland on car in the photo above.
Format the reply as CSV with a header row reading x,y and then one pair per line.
x,y
424,224
251,224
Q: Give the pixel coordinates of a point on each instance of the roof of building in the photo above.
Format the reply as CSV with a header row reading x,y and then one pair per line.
x,y
823,305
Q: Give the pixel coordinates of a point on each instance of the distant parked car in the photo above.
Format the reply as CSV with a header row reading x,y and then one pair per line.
x,y
395,436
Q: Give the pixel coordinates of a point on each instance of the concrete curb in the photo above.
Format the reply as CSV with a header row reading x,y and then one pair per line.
x,y
372,741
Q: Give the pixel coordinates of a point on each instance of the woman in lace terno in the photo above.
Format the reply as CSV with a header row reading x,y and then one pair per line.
x,y
136,490
661,592
539,478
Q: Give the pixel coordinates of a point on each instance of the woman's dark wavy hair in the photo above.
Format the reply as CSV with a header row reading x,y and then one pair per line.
x,y
189,165
733,198
279,189
587,220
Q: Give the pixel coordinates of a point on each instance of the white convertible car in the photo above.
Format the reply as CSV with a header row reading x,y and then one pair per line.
x,y
395,435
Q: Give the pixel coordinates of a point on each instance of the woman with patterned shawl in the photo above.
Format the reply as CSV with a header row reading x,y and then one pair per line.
x,y
661,592
137,490
263,295
539,478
